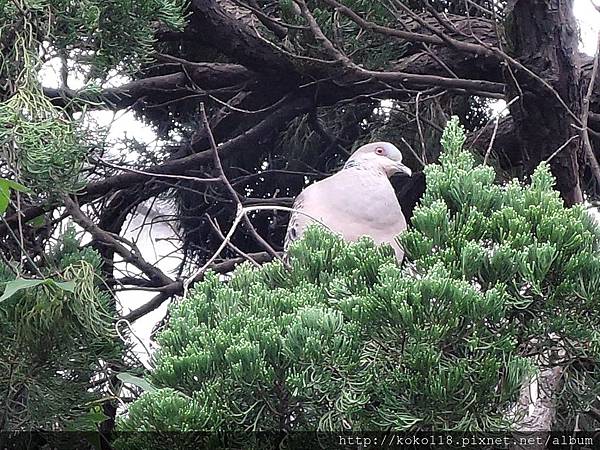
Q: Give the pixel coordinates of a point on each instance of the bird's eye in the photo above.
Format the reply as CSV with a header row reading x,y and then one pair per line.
x,y
379,150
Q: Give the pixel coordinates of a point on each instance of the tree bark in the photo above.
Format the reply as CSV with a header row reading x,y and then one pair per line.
x,y
542,35
540,417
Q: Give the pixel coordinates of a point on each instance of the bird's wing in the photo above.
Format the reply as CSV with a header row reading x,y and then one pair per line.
x,y
317,203
297,221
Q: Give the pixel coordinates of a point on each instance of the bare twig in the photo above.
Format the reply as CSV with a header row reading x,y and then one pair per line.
x,y
335,53
273,25
440,38
480,8
585,135
497,119
182,287
241,213
261,14
489,149
229,187
229,106
21,247
561,148
443,21
413,151
409,36
215,227
147,364
437,59
176,288
159,175
420,129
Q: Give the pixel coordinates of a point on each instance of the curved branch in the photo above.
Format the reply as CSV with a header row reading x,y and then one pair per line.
x,y
153,272
207,76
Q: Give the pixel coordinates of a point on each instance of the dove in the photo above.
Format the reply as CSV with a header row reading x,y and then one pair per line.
x,y
359,200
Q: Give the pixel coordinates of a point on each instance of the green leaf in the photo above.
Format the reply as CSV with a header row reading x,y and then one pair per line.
x,y
37,222
88,423
136,381
68,286
16,186
14,286
4,197
5,187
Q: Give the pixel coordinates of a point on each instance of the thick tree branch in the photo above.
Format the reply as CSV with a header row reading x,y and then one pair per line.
x,y
208,76
287,110
409,80
236,39
128,255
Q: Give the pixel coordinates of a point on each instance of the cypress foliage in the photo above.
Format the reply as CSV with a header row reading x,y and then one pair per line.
x,y
346,339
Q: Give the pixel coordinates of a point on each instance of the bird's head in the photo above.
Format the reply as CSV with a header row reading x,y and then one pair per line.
x,y
381,156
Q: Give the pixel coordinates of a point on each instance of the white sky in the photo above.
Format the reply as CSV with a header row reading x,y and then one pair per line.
x,y
151,239
589,24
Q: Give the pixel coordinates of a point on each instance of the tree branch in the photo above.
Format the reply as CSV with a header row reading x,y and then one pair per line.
x,y
208,76
130,256
229,187
236,39
288,108
465,47
585,133
176,287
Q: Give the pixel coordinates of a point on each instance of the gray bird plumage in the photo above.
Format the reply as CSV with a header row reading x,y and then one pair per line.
x,y
357,201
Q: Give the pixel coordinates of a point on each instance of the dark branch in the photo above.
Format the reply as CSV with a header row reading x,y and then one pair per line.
x,y
176,288
207,76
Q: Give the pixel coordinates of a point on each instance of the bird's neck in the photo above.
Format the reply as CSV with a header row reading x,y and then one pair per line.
x,y
360,166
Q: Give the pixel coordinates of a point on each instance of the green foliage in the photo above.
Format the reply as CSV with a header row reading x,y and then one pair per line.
x,y
519,239
103,35
14,286
57,334
6,186
136,381
121,33
345,338
43,147
368,49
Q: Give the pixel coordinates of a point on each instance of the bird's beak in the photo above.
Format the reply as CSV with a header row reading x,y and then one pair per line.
x,y
401,168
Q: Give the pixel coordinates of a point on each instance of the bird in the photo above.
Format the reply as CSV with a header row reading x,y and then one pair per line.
x,y
359,200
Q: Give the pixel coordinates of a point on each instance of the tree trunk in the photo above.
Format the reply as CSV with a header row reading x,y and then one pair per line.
x,y
538,421
543,36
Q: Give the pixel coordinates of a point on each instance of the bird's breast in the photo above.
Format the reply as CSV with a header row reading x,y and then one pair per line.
x,y
366,199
